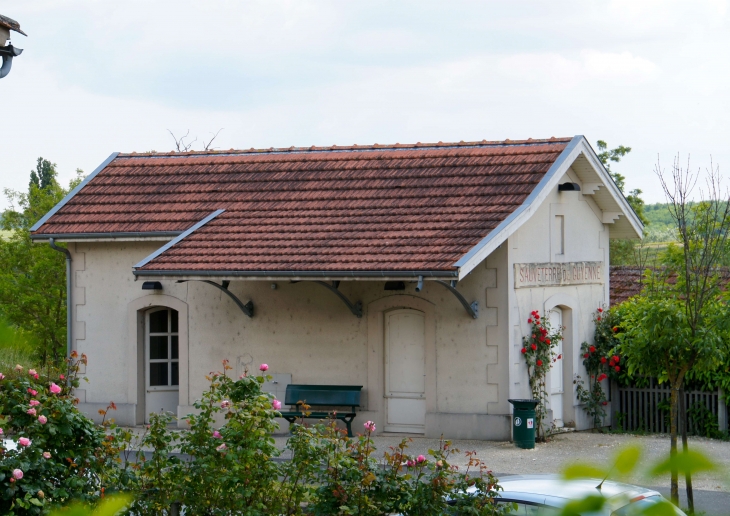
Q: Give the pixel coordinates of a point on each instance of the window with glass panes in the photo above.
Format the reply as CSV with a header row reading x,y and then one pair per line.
x,y
162,348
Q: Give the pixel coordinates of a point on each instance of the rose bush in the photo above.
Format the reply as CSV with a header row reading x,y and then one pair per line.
x,y
49,453
222,464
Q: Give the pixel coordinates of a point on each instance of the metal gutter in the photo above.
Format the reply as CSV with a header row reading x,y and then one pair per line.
x,y
302,274
180,237
69,304
73,192
117,234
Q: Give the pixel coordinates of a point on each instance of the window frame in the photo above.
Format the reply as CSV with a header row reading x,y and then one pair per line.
x,y
169,360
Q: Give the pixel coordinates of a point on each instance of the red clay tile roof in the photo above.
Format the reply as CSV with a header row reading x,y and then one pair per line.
x,y
628,280
378,208
625,282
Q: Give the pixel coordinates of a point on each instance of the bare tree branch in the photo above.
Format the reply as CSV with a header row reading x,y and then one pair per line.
x,y
180,144
207,145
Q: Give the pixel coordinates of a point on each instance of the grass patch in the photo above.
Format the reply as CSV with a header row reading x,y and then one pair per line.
x,y
15,348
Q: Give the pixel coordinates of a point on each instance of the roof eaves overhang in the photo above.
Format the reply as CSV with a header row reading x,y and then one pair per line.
x,y
115,236
298,275
578,146
72,193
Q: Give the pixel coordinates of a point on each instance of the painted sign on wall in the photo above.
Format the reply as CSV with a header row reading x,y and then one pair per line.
x,y
556,274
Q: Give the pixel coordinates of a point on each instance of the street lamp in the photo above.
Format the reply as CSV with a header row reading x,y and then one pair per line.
x,y
8,51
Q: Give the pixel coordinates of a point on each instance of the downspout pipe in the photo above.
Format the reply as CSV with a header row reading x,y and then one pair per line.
x,y
69,305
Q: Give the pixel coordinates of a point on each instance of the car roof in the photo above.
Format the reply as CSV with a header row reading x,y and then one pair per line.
x,y
554,486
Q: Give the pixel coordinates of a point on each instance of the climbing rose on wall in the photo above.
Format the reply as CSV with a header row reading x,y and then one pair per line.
x,y
539,352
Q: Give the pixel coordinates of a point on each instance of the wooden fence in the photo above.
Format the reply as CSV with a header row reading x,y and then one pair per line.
x,y
640,409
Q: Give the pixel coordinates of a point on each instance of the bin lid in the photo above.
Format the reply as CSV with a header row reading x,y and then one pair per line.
x,y
524,404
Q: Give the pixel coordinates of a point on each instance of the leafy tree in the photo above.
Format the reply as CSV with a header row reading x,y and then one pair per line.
x,y
684,325
44,174
33,276
622,252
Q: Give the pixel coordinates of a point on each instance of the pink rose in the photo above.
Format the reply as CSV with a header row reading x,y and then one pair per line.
x,y
42,420
369,426
46,455
217,434
1,431
30,412
276,404
420,459
62,377
225,404
32,392
411,463
222,447
264,367
55,389
32,372
17,474
2,376
24,441
34,403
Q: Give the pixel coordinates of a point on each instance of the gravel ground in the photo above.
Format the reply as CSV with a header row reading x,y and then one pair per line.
x,y
572,447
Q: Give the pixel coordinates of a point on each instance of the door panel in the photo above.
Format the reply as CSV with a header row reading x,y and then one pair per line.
x,y
556,372
405,371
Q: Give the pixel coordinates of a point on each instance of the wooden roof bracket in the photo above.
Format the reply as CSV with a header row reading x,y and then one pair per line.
x,y
472,309
246,309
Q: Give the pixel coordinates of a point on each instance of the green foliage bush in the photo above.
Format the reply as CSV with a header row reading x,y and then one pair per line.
x,y
223,471
55,459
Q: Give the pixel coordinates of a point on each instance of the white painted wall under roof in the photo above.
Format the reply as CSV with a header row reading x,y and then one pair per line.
x,y
586,239
304,330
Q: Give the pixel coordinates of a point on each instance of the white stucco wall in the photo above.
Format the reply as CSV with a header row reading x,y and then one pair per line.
x,y
586,239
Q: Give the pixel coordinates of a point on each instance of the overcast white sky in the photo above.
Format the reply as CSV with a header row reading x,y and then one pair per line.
x,y
100,76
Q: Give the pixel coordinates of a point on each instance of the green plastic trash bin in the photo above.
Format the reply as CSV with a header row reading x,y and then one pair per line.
x,y
523,423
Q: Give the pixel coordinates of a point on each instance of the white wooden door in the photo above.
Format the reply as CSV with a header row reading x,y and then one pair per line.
x,y
556,373
162,373
405,371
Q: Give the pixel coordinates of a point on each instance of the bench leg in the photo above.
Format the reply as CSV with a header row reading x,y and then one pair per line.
x,y
348,423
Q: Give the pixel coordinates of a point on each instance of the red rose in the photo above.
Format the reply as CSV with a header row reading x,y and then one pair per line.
x,y
547,342
533,346
542,339
592,349
586,355
523,351
615,329
560,356
537,316
605,403
616,359
534,336
617,368
600,310
539,363
601,377
603,360
529,321
598,318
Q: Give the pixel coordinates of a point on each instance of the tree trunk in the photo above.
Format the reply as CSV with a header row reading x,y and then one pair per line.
x,y
673,447
685,447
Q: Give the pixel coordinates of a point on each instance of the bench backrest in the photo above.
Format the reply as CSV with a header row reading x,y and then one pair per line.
x,y
319,395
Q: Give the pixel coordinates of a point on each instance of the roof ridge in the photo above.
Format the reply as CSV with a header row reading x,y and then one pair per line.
x,y
353,148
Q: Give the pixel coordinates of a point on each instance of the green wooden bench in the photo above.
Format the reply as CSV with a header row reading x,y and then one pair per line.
x,y
322,396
